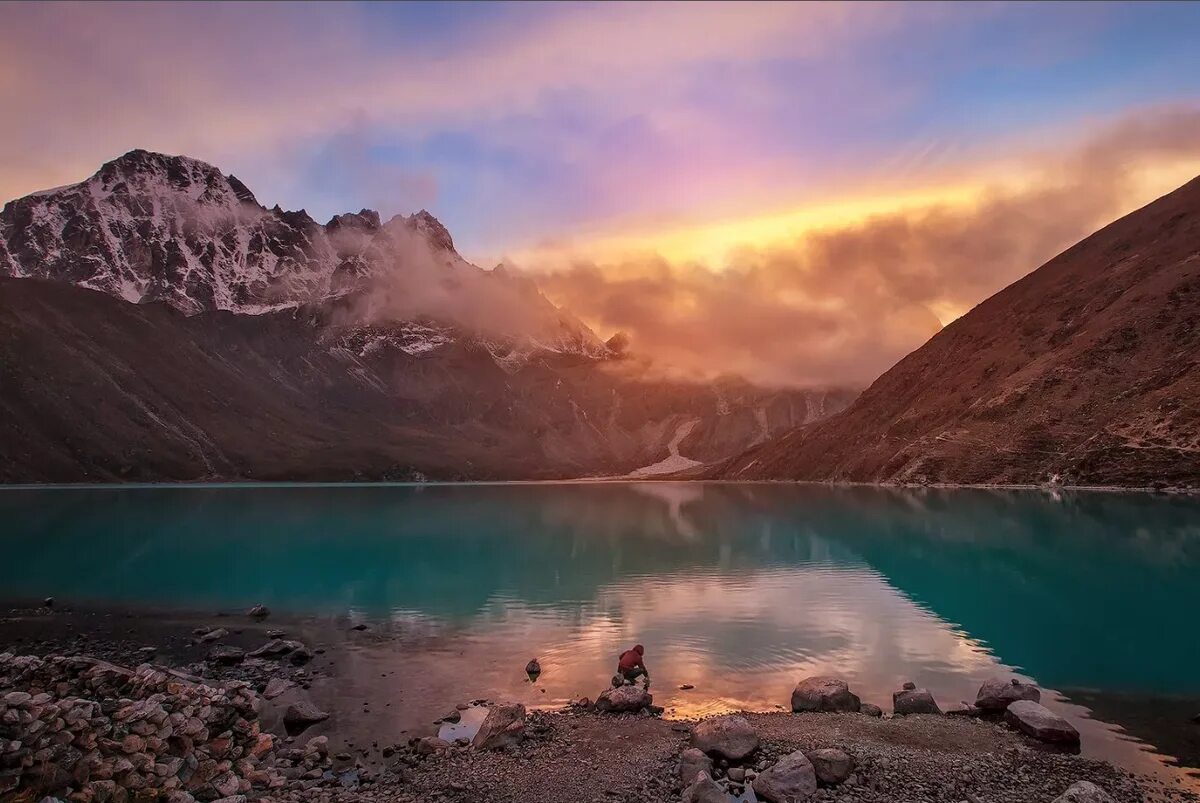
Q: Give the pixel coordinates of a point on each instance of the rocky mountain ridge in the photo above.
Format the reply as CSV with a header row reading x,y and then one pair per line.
x,y
1084,372
151,227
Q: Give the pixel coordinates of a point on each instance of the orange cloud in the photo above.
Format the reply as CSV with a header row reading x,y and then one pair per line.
x,y
841,303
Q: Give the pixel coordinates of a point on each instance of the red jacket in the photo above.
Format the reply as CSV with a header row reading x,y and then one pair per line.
x,y
632,659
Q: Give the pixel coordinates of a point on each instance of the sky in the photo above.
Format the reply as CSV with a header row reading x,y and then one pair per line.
x,y
801,193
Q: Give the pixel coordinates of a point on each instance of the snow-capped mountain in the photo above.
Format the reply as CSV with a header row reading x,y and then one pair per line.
x,y
151,227
356,349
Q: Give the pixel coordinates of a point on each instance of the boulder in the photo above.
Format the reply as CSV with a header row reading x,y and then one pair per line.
x,y
534,667
209,636
831,765
1084,792
504,726
693,762
729,737
790,779
996,694
1035,720
259,612
823,694
303,712
704,790
624,698
914,701
870,710
276,687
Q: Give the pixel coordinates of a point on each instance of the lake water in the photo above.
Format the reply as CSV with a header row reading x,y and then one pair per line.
x,y
739,590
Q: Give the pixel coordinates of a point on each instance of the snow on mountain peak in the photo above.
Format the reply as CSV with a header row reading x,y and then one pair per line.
x,y
153,227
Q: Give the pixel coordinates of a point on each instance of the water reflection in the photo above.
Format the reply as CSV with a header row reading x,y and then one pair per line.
x,y
736,589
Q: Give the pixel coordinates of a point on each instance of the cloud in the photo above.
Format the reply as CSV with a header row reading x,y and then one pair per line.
x,y
80,84
839,305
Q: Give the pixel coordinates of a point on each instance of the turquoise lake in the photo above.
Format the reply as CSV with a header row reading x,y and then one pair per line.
x,y
739,590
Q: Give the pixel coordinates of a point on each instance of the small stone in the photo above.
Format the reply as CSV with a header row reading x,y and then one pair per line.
x,y
48,602
303,712
693,762
259,612
223,654
428,745
704,790
736,774
908,686
17,699
686,687
870,710
914,701
276,687
213,635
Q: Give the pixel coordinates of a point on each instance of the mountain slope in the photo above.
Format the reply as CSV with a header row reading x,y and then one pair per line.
x,y
1086,371
94,389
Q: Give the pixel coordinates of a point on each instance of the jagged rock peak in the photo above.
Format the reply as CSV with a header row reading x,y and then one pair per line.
x,y
432,228
364,219
145,169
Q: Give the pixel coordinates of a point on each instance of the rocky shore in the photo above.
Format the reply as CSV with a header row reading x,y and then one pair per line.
x,y
82,729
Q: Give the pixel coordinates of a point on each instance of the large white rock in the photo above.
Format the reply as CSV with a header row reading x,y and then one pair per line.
x,y
729,737
823,694
997,694
503,726
624,698
1041,723
790,779
1084,792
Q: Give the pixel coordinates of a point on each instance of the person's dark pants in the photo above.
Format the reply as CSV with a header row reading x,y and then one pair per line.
x,y
632,674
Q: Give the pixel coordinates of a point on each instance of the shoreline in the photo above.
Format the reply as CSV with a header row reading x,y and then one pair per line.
x,y
564,756
624,479
632,755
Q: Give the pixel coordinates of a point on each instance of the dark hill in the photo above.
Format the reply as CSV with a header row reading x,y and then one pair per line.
x,y
1086,371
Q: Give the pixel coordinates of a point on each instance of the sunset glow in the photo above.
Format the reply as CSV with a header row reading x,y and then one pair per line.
x,y
602,147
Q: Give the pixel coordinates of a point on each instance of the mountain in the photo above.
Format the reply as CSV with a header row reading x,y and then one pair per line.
x,y
151,227
157,323
1085,372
